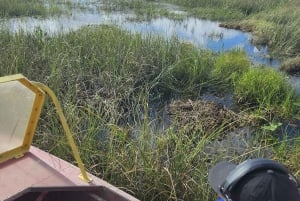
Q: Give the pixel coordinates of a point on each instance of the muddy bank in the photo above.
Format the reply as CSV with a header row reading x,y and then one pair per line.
x,y
238,26
256,39
291,66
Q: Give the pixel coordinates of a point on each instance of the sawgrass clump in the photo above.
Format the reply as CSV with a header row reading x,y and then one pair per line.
x,y
229,67
266,90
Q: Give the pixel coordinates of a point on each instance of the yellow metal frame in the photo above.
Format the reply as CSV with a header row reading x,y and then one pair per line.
x,y
33,120
40,89
68,133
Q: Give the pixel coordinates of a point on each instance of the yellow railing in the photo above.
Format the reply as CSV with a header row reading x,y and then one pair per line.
x,y
63,121
21,102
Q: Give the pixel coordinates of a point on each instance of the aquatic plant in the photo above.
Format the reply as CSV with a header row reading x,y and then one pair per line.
x,y
266,90
230,66
188,74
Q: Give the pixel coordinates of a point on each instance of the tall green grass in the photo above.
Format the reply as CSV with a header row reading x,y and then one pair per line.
x,y
28,8
229,67
16,8
189,75
267,90
107,81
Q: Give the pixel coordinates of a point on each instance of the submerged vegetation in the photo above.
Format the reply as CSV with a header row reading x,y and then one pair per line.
x,y
134,102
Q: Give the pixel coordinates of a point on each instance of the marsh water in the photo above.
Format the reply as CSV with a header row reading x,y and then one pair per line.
x,y
202,33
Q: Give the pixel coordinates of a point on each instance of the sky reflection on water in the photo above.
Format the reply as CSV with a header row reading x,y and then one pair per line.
x,y
203,33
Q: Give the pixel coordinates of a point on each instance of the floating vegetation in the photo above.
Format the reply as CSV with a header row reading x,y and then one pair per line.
x,y
204,117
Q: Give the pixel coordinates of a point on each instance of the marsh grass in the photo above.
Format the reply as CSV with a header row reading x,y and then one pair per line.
x,y
16,8
278,29
190,74
229,9
267,90
28,8
229,67
144,10
150,164
106,80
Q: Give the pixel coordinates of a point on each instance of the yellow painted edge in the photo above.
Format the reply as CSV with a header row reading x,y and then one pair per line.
x,y
9,78
13,153
33,120
35,112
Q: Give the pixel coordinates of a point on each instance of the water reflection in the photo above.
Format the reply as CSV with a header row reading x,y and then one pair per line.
x,y
202,33
206,34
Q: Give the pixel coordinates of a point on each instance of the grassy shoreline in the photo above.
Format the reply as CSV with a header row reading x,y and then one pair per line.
x,y
273,23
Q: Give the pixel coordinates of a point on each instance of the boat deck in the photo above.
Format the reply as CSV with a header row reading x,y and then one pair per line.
x,y
41,175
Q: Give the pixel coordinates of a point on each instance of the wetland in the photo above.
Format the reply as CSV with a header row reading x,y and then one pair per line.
x,y
156,92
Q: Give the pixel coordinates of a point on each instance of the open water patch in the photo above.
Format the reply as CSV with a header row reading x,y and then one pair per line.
x,y
202,33
199,32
